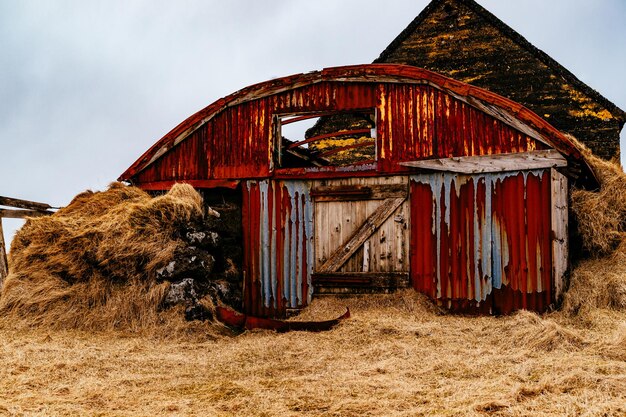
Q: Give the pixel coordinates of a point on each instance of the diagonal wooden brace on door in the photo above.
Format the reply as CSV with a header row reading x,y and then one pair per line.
x,y
371,224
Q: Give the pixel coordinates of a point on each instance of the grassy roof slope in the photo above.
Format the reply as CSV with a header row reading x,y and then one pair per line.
x,y
462,40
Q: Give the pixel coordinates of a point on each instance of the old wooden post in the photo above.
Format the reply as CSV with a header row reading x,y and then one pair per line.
x,y
24,210
4,265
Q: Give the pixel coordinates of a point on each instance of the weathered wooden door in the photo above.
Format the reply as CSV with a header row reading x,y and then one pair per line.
x,y
361,234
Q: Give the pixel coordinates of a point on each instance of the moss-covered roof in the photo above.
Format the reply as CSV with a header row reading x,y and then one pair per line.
x,y
462,40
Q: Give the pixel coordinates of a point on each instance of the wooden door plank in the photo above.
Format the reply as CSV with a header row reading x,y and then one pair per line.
x,y
375,246
560,232
23,204
493,163
359,282
22,214
399,239
356,192
366,256
371,224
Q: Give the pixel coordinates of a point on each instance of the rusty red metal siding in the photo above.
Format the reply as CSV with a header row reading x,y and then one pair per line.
x,y
415,121
325,96
278,246
422,114
482,243
419,121
238,142
234,144
522,220
185,162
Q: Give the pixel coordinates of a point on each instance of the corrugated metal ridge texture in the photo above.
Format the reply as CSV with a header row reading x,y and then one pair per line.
x,y
374,73
482,243
277,221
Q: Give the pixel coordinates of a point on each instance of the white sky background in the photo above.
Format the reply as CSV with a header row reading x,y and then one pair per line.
x,y
87,86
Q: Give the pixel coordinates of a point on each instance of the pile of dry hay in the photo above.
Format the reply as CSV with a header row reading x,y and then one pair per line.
x,y
599,281
92,265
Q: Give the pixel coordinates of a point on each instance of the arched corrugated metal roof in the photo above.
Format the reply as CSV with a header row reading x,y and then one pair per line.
x,y
508,111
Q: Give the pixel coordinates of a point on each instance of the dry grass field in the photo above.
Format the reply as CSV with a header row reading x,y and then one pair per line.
x,y
397,355
82,332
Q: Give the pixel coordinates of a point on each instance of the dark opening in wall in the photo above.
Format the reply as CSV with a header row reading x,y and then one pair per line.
x,y
326,139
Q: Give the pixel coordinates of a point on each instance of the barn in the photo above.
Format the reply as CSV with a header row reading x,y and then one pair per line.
x,y
407,178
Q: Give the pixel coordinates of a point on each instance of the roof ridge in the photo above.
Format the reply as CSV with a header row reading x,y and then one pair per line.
x,y
515,37
407,31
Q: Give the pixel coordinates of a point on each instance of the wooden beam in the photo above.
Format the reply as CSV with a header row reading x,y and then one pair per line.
x,y
285,120
359,278
371,224
493,163
341,279
22,214
560,232
359,192
23,204
4,264
359,283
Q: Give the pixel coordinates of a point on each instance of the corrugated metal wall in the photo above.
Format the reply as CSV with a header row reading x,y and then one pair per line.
x,y
420,121
278,246
237,143
415,121
482,243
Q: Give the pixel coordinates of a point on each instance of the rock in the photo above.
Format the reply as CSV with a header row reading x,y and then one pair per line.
x,y
198,312
163,274
205,239
227,292
211,212
190,262
210,263
182,292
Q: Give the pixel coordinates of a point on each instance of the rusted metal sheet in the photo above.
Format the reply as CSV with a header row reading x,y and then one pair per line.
x,y
422,114
421,121
416,121
278,252
238,141
481,243
206,184
243,321
185,162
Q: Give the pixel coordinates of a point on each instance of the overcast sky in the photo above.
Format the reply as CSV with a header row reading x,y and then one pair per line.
x,y
87,86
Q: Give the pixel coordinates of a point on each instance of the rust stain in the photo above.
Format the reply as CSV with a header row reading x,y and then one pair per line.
x,y
418,117
482,243
278,254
